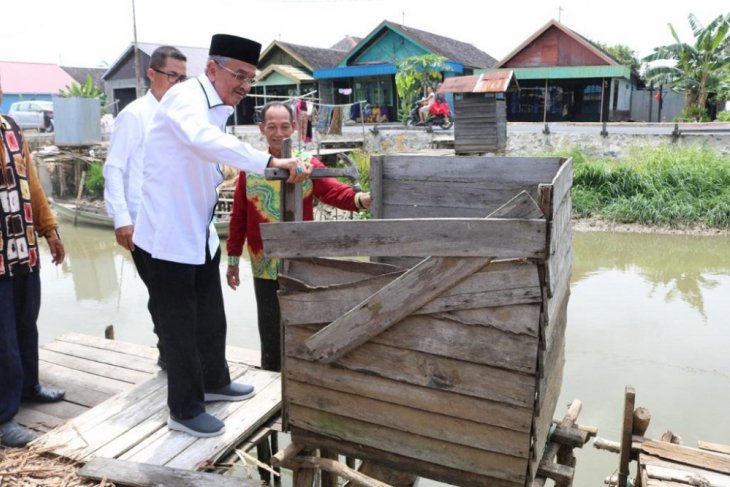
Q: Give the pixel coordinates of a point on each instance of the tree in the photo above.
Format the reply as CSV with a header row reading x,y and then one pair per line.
x,y
414,74
698,69
621,53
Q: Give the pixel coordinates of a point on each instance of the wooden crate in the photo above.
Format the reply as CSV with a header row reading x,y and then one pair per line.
x,y
449,368
482,123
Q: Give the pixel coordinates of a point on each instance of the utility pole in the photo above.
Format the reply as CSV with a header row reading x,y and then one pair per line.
x,y
560,13
137,76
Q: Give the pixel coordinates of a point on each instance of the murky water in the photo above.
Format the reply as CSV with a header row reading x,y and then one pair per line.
x,y
652,311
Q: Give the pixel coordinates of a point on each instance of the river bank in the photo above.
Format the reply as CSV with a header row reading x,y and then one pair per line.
x,y
603,225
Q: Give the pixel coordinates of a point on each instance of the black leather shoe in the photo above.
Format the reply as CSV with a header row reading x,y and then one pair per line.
x,y
45,395
15,436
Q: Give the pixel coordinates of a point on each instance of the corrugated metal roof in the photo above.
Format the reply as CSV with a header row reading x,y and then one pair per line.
x,y
497,82
568,72
292,73
355,71
33,77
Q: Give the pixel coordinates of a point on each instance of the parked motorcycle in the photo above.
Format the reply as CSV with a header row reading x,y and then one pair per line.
x,y
445,121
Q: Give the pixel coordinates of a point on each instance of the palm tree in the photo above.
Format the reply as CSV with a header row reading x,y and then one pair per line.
x,y
698,68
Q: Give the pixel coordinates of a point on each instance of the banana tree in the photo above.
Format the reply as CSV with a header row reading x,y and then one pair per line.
x,y
697,69
416,73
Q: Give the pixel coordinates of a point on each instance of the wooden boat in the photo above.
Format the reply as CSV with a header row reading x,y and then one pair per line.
x,y
80,214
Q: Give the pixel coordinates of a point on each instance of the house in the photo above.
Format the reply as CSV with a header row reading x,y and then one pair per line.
x,y
121,80
31,81
367,71
565,77
286,70
80,74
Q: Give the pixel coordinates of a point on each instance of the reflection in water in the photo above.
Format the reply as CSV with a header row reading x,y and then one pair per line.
x,y
90,261
680,265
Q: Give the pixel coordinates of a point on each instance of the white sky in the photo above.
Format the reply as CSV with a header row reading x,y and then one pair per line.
x,y
92,32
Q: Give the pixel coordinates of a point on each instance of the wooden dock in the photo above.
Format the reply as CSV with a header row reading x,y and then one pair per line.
x,y
115,405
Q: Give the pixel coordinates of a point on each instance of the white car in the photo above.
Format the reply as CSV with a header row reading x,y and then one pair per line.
x,y
34,114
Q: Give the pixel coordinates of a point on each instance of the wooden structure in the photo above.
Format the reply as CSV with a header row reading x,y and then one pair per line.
x,y
479,107
664,463
449,368
115,411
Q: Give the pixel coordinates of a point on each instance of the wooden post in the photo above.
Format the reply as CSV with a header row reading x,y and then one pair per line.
x,y
642,417
329,479
109,332
627,428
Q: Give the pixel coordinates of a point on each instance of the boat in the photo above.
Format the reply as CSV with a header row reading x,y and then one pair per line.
x,y
85,214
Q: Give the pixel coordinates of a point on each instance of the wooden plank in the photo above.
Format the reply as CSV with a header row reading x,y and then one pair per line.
x,y
454,456
717,462
144,475
713,478
715,447
122,374
389,305
327,272
396,392
456,195
104,356
376,186
407,419
128,348
529,170
440,335
626,429
562,182
399,462
499,284
450,237
432,371
86,389
37,420
180,450
676,474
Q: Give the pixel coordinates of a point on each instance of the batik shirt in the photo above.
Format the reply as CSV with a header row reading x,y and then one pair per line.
x,y
258,200
18,246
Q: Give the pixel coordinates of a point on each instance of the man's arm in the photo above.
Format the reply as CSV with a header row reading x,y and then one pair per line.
x,y
127,137
45,222
236,232
337,194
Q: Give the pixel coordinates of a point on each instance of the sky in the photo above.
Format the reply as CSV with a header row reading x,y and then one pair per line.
x,y
94,33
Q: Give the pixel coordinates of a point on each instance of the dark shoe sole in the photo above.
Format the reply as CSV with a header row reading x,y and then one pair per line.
x,y
177,426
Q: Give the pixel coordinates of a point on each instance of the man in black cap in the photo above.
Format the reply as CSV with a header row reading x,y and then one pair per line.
x,y
174,230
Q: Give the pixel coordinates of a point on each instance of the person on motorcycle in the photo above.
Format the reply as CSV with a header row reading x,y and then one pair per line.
x,y
439,107
426,103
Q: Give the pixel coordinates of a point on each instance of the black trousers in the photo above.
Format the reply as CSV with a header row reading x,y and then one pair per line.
x,y
188,303
20,301
144,273
269,317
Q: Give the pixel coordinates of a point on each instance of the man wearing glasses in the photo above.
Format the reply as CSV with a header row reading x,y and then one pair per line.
x,y
174,231
123,166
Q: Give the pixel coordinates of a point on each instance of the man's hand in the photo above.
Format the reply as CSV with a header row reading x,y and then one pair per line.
x,y
58,253
298,170
365,200
124,237
232,277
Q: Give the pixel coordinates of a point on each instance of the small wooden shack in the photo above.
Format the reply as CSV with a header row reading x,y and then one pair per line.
x,y
450,368
480,111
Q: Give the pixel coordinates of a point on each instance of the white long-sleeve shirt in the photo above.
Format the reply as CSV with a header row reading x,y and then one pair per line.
x,y
185,143
123,166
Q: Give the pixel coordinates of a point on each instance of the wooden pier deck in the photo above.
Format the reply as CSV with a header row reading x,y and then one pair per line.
x,y
115,405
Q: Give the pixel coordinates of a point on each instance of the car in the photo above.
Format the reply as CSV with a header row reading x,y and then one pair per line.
x,y
33,114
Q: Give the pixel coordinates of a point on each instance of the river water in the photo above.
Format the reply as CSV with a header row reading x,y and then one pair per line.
x,y
651,311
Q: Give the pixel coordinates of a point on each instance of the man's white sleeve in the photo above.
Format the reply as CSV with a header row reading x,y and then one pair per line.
x,y
126,138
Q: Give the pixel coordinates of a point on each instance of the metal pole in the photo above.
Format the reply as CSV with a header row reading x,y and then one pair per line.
x,y
137,77
546,130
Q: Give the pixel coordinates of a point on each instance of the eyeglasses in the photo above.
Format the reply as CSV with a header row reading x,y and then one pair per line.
x,y
172,76
240,77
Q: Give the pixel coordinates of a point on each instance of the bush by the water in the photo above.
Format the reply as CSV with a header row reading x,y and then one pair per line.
x,y
674,186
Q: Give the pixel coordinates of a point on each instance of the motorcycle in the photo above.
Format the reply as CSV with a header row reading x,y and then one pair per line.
x,y
445,121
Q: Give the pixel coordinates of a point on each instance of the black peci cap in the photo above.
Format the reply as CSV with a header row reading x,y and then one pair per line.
x,y
235,47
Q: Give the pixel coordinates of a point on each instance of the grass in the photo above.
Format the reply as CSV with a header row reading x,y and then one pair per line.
x,y
670,186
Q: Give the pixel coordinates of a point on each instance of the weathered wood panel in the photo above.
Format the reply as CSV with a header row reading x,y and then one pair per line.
x,y
101,369
431,371
453,237
144,475
396,392
376,186
470,169
407,419
501,284
477,195
399,462
454,456
326,272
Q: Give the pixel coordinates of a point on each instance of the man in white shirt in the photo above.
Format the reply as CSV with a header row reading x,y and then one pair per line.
x,y
123,166
174,231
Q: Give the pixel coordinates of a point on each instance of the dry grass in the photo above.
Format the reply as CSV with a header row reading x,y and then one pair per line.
x,y
35,467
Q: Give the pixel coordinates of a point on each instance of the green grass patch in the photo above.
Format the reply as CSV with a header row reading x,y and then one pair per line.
x,y
674,186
